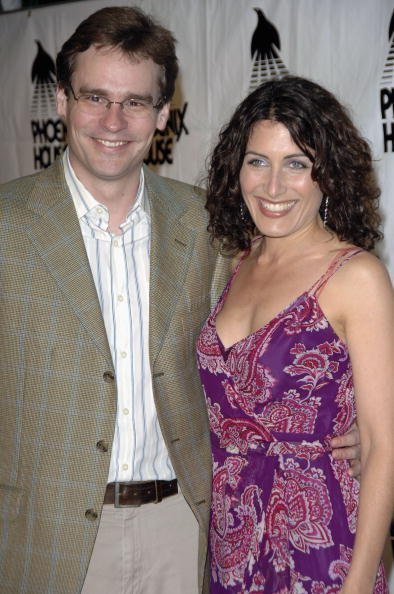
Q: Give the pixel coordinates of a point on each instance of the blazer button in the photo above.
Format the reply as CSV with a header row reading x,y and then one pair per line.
x,y
91,515
102,445
108,376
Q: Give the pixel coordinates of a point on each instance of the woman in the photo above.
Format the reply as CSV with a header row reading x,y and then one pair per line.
x,y
299,343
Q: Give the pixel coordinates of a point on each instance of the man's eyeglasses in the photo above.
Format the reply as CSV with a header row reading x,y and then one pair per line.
x,y
94,104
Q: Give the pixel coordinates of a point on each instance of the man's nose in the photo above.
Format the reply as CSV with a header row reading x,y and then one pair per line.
x,y
113,117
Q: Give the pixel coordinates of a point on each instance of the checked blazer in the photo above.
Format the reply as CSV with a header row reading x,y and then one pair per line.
x,y
57,382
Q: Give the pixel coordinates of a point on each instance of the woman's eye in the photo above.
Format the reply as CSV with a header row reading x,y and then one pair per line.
x,y
255,162
297,165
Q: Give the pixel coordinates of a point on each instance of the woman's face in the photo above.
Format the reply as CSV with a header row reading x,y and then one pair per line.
x,y
276,182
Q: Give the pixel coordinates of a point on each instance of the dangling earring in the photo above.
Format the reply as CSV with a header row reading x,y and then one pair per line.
x,y
325,211
242,212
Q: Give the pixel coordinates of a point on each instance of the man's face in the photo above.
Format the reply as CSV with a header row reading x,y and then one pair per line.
x,y
110,146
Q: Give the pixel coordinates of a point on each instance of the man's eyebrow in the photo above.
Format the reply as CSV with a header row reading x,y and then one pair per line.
x,y
97,91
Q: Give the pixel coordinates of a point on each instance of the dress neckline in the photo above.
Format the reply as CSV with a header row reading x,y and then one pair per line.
x,y
261,329
337,261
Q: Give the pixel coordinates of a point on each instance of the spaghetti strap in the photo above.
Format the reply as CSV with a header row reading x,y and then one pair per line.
x,y
216,308
238,265
338,261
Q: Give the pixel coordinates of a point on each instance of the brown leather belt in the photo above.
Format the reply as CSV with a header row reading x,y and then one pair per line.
x,y
136,493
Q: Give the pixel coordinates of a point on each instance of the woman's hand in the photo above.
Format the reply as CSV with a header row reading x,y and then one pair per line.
x,y
347,447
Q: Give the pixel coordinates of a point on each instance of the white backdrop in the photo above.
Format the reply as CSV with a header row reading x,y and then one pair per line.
x,y
343,44
346,45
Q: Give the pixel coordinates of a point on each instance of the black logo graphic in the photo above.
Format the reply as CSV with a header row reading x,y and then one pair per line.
x,y
265,48
48,131
43,77
162,147
387,94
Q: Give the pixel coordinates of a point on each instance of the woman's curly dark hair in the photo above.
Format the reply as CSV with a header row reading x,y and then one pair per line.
x,y
322,128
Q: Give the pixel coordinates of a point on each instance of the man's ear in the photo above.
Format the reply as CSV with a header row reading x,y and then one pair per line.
x,y
162,116
61,102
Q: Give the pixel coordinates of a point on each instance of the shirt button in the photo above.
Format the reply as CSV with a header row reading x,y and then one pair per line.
x,y
125,411
123,355
91,515
99,210
125,466
108,376
120,297
116,243
102,445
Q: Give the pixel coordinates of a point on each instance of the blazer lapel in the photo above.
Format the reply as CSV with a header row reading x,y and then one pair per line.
x,y
55,233
172,245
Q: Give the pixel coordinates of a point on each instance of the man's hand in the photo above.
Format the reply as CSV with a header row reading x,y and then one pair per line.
x,y
347,447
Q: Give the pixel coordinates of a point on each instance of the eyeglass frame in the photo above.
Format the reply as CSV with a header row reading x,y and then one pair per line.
x,y
157,105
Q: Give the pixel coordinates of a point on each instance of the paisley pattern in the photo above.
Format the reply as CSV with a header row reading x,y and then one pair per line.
x,y
283,511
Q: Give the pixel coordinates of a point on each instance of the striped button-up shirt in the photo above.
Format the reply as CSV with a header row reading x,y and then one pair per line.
x,y
120,268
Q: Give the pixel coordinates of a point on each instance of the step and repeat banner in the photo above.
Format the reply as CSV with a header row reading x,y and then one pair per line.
x,y
346,45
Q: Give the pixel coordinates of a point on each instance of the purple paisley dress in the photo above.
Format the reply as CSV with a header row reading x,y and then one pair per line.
x,y
283,511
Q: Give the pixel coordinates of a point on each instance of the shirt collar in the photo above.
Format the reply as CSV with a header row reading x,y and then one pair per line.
x,y
88,208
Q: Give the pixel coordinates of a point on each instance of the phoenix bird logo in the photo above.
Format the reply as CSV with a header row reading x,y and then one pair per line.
x,y
44,79
265,52
388,70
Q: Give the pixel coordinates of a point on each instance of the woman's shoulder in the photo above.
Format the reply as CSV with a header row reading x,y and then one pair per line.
x,y
363,274
363,263
360,288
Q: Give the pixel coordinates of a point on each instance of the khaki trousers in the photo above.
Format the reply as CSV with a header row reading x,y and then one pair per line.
x,y
151,549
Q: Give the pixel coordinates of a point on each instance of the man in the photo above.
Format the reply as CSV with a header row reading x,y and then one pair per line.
x,y
106,277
